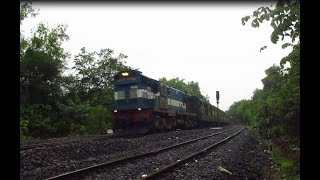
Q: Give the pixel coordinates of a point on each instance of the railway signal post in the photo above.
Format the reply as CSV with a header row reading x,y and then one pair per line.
x,y
217,97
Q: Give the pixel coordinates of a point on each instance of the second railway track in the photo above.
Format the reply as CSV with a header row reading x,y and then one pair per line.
x,y
24,147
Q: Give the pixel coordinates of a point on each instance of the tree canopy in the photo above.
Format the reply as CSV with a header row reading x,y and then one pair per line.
x,y
53,103
284,19
281,86
191,88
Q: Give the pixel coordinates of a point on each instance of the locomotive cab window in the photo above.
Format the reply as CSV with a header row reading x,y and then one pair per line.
x,y
134,86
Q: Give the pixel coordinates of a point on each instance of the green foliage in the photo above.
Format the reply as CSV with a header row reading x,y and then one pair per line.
x,y
95,70
53,104
263,48
41,65
281,93
287,168
191,87
286,45
285,20
277,131
75,117
281,86
245,19
37,121
77,129
23,128
89,92
26,10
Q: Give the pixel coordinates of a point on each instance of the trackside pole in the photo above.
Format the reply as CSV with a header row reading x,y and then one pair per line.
x,y
268,124
217,97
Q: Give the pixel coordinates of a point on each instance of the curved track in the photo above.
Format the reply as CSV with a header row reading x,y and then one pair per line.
x,y
188,158
83,171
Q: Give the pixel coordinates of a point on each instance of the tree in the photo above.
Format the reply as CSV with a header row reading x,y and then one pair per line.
x,y
41,65
95,71
191,88
53,104
285,20
281,89
89,92
26,10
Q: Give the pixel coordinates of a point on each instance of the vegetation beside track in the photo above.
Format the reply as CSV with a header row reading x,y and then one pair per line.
x,y
274,111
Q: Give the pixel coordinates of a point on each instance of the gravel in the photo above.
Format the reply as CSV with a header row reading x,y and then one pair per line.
x,y
242,155
140,167
73,153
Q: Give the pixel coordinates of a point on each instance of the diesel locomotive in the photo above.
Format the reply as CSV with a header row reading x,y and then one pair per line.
x,y
146,104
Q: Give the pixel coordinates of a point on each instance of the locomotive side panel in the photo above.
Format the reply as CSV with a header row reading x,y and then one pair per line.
x,y
148,103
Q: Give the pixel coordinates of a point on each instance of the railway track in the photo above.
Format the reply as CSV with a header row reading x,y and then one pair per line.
x,y
59,142
38,145
172,166
164,168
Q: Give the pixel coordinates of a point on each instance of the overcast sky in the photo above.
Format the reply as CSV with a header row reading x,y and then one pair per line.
x,y
206,43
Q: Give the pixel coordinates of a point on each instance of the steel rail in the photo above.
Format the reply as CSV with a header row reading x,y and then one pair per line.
x,y
192,156
121,160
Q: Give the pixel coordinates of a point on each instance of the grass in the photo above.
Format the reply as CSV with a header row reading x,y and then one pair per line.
x,y
287,167
286,160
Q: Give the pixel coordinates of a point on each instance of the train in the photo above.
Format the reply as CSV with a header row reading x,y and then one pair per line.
x,y
145,104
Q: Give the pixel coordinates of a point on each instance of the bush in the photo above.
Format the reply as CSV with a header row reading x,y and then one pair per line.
x,y
36,121
24,134
77,129
277,131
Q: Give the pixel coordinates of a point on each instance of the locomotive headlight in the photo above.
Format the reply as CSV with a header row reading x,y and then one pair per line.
x,y
115,110
139,109
125,74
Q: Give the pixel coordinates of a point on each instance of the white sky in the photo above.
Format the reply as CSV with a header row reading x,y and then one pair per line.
x,y
206,43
